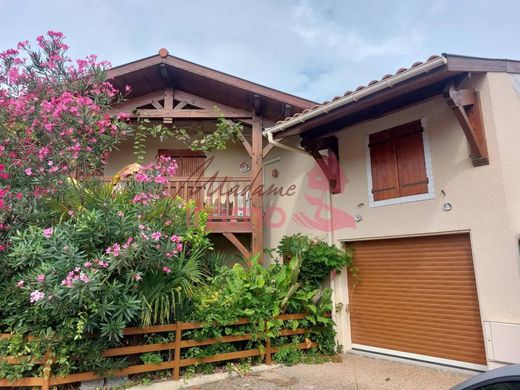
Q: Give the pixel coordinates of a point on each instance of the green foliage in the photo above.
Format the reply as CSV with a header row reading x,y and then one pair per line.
x,y
151,358
225,132
88,286
288,355
318,257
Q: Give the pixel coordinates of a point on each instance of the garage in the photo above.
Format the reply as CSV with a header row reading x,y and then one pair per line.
x,y
416,297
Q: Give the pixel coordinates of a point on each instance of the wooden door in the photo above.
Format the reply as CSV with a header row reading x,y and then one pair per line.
x,y
190,166
418,296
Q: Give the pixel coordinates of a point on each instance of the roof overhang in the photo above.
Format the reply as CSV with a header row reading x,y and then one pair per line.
x,y
391,93
160,71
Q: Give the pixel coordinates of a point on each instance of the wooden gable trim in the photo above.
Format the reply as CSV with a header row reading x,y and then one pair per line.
x,y
465,104
328,164
203,71
208,109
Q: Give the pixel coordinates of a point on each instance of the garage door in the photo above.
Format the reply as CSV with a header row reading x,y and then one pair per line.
x,y
417,296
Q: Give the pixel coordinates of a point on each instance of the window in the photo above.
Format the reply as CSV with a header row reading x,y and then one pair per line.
x,y
399,168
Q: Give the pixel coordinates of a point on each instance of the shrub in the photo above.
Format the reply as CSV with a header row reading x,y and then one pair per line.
x,y
318,257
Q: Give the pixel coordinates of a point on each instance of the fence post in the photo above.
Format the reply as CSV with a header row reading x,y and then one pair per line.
x,y
268,359
47,367
177,352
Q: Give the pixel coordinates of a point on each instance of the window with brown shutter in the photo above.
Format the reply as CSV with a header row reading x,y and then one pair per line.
x,y
397,162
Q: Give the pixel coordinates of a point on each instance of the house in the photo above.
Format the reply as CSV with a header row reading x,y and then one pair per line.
x,y
170,90
420,176
417,172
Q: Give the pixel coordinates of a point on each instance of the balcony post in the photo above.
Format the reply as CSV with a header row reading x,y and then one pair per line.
x,y
256,181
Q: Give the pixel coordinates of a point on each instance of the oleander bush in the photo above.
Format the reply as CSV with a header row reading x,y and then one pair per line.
x,y
81,259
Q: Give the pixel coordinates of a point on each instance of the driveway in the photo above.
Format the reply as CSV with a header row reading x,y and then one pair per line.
x,y
355,372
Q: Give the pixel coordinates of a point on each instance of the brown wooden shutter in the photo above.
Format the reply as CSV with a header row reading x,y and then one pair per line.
x,y
385,182
397,162
411,166
417,295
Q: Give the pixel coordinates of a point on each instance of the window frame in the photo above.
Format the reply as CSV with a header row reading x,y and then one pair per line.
x,y
429,172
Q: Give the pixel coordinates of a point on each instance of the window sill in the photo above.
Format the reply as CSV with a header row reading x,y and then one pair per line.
x,y
404,199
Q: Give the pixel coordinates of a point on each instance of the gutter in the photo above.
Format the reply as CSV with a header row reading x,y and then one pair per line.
x,y
355,96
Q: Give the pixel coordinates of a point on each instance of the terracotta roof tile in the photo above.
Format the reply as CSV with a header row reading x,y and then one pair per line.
x,y
386,76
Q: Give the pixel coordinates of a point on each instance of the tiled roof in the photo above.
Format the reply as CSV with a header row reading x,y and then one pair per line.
x,y
361,87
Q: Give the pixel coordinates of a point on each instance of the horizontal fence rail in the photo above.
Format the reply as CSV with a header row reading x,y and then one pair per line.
x,y
175,347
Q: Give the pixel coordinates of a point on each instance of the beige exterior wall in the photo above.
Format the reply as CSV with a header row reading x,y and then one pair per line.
x,y
226,162
486,200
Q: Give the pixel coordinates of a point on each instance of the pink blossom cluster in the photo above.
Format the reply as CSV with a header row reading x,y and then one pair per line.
x,y
113,250
57,111
159,172
72,276
36,296
145,198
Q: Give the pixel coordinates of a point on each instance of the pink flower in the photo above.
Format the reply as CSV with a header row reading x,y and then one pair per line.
x,y
166,269
47,233
141,227
103,264
36,296
128,242
84,277
71,213
20,283
87,264
40,278
28,171
113,250
156,236
137,277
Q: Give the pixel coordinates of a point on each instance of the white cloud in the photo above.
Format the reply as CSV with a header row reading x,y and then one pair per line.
x,y
314,49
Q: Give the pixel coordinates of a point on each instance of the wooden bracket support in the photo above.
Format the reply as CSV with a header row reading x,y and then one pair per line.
x,y
465,104
236,242
247,145
329,164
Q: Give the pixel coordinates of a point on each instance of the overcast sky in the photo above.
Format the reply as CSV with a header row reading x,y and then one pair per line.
x,y
315,49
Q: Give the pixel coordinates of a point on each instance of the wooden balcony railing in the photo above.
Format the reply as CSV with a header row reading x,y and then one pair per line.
x,y
227,199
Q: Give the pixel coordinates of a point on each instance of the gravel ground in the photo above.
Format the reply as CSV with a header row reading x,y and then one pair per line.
x,y
355,372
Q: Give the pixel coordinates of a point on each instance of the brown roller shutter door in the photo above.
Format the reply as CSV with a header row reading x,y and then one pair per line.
x,y
417,295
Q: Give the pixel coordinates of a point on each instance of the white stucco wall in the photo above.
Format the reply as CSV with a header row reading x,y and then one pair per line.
x,y
486,200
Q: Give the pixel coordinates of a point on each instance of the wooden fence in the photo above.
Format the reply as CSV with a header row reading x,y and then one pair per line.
x,y
175,347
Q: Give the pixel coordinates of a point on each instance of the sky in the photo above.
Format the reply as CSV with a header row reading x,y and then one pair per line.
x,y
313,49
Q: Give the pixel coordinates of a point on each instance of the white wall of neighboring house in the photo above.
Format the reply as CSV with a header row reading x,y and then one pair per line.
x,y
486,199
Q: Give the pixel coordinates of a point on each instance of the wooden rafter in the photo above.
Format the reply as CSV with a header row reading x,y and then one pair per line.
x,y
465,104
329,164
236,242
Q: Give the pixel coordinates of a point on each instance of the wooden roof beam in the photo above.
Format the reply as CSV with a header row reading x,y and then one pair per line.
x,y
185,114
465,104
